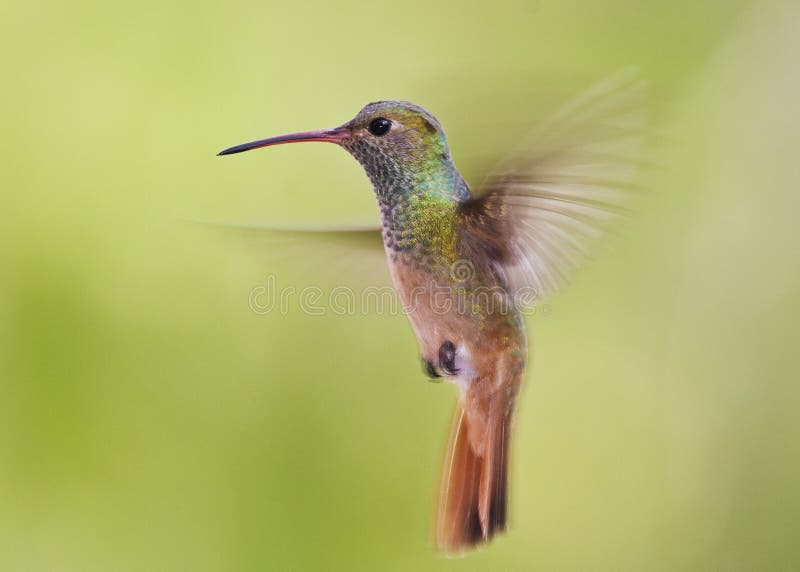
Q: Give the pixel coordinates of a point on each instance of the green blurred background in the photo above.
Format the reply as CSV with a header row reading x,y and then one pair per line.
x,y
150,421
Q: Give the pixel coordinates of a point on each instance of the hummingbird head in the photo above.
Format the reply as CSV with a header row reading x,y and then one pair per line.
x,y
390,137
399,144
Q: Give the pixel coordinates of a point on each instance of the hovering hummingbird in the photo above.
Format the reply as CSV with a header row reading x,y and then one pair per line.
x,y
460,258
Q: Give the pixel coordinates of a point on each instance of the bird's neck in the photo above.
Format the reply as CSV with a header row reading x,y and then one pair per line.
x,y
419,210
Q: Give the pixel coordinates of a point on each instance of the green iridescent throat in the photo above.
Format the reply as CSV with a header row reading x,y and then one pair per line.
x,y
418,202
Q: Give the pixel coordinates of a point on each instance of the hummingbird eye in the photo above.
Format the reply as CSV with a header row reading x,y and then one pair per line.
x,y
379,126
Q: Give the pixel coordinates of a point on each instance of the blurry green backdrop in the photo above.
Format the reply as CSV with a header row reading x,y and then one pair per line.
x,y
149,420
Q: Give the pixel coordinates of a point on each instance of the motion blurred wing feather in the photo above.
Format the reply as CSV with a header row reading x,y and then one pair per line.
x,y
542,211
350,254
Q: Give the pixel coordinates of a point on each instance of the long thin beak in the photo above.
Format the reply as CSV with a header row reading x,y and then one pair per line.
x,y
328,135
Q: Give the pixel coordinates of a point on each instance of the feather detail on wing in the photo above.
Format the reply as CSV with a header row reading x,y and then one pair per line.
x,y
541,211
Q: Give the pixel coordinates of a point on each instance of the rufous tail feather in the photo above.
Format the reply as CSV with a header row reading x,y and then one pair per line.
x,y
472,501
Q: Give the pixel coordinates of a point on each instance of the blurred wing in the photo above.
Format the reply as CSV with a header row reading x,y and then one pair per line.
x,y
351,255
540,212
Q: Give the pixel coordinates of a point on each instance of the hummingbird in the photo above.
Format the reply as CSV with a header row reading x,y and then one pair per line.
x,y
466,262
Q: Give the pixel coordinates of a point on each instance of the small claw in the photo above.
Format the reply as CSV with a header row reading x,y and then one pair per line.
x,y
430,371
447,358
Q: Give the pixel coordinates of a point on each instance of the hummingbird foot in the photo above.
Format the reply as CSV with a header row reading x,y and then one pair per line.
x,y
452,363
447,358
430,370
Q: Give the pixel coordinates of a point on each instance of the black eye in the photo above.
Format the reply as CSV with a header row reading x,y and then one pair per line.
x,y
379,126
